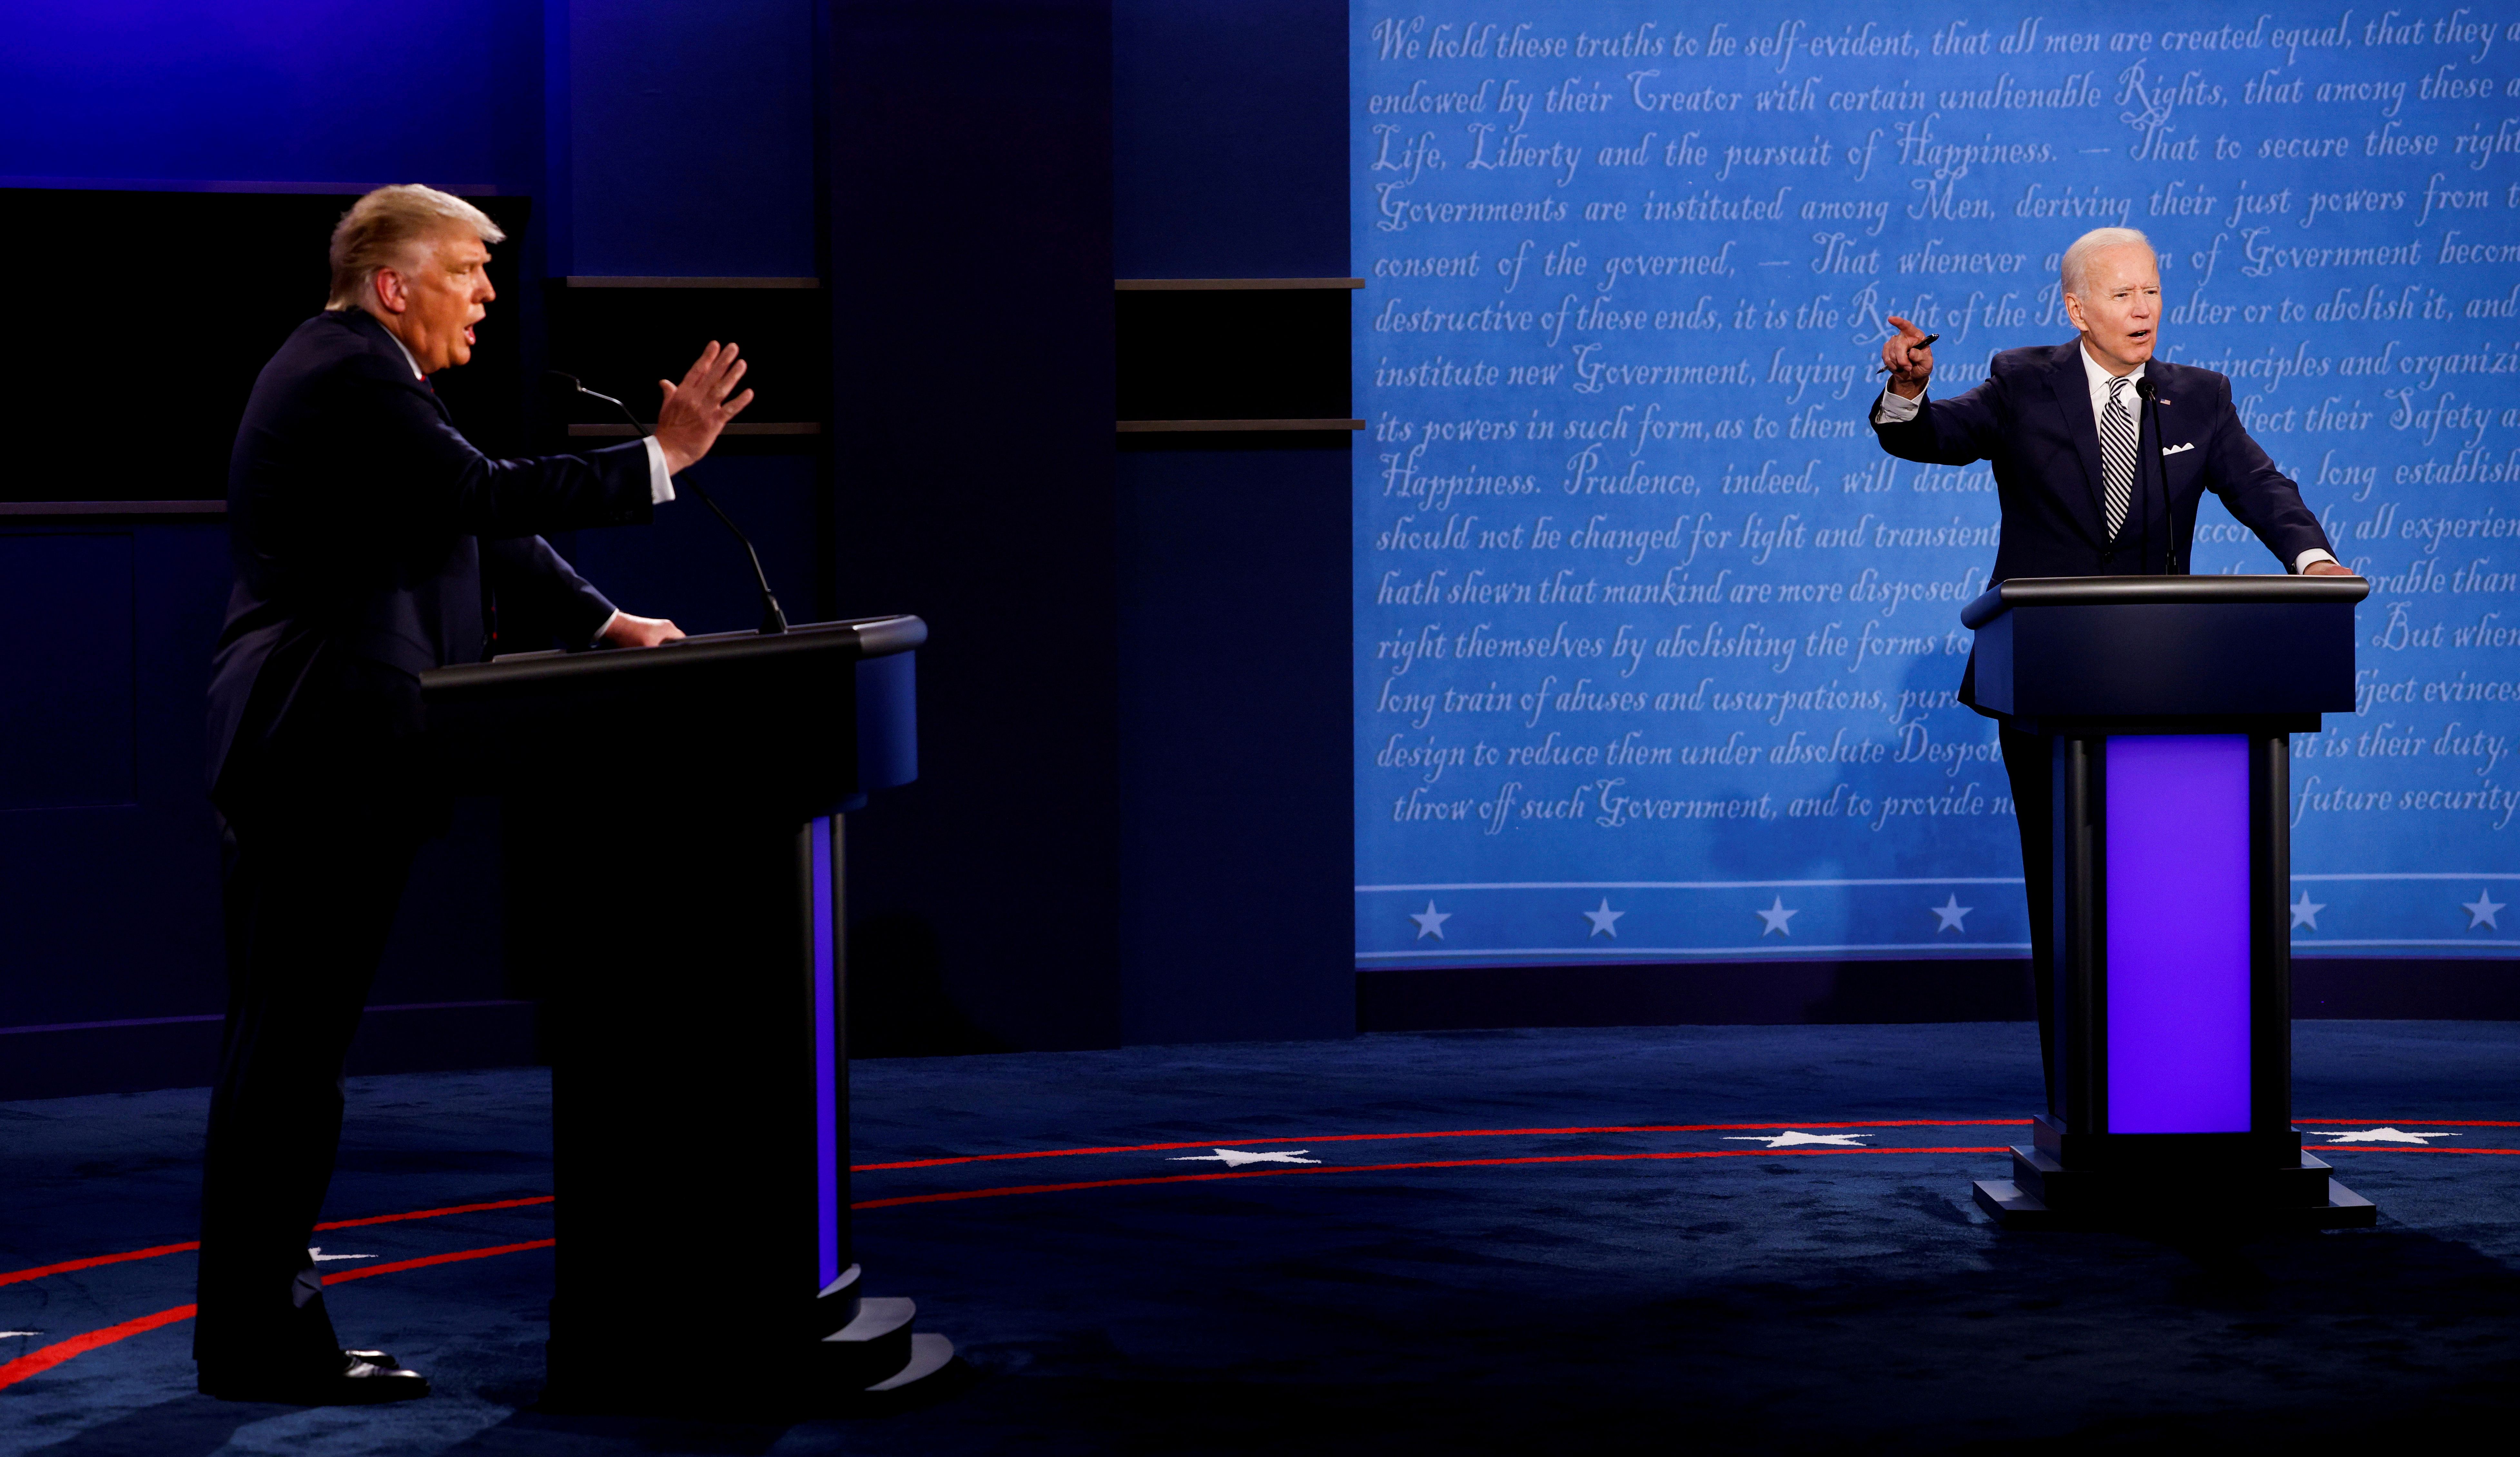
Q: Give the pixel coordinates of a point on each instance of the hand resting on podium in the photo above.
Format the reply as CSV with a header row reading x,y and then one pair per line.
x,y
627,631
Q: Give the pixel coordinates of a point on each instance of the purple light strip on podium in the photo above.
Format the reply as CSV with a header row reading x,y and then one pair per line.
x,y
827,1064
2178,930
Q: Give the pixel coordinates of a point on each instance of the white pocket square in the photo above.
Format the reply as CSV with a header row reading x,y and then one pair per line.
x,y
2174,449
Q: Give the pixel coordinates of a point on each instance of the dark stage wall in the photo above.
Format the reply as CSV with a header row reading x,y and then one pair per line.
x,y
952,172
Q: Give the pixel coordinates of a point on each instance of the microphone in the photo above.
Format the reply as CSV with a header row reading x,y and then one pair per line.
x,y
772,620
2144,387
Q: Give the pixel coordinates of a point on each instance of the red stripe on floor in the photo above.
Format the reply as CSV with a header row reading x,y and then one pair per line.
x,y
92,1261
2381,1148
12,1277
2426,1122
35,1362
1158,1148
1261,1173
425,1260
52,1356
461,1208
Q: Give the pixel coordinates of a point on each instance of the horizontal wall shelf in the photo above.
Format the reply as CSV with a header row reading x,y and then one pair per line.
x,y
1152,427
1226,285
627,281
160,509
740,427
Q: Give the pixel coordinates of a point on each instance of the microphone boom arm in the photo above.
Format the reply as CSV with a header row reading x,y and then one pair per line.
x,y
772,620
2152,407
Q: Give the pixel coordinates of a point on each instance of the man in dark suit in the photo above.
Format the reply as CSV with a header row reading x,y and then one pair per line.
x,y
2074,458
365,530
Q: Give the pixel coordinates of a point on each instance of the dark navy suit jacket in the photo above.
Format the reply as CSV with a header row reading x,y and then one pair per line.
x,y
2032,419
361,525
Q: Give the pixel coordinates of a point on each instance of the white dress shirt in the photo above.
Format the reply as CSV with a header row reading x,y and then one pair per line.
x,y
660,481
1894,408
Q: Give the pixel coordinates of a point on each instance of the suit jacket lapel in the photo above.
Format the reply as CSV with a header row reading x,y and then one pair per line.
x,y
2073,399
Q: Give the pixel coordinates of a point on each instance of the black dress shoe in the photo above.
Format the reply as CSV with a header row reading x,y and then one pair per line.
x,y
359,1382
384,1358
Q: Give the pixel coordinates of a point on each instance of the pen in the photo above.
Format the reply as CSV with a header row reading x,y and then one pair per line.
x,y
1926,342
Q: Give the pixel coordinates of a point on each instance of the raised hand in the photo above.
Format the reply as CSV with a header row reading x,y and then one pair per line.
x,y
1908,358
695,410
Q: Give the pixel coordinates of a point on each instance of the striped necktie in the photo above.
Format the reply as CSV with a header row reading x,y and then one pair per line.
x,y
2117,455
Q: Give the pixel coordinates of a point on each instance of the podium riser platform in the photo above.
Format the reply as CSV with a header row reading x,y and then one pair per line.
x,y
2166,705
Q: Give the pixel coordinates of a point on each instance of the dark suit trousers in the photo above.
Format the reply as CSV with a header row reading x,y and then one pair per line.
x,y
316,856
2026,764
310,899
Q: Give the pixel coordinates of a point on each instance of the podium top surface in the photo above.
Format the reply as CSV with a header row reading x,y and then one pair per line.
x,y
856,638
2121,591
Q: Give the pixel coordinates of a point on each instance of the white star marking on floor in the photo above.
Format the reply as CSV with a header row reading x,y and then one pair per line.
x,y
1235,1158
2384,1135
1951,911
1430,922
2305,911
2480,911
1775,915
1793,1138
316,1253
1605,921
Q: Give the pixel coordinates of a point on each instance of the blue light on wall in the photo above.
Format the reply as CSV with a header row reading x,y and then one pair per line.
x,y
282,91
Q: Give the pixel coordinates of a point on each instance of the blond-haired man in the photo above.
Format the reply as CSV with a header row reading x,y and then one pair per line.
x,y
366,532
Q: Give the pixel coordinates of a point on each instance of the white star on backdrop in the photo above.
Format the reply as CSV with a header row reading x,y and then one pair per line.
x,y
1235,1158
1795,1139
1605,921
1775,915
2305,911
2480,911
1951,911
2386,1135
1430,922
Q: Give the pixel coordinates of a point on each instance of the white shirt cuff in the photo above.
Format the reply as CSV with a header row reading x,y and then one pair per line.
x,y
607,627
660,481
2301,563
1894,408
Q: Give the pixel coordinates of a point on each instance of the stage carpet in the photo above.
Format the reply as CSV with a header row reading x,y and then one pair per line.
x,y
1568,1240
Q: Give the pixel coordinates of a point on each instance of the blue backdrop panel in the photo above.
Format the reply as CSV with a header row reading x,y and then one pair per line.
x,y
1655,650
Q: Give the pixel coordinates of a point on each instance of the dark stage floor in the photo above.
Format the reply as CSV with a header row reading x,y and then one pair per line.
x,y
1507,1240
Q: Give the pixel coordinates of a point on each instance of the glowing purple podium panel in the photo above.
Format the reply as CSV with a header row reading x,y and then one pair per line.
x,y
699,1047
2178,934
2166,703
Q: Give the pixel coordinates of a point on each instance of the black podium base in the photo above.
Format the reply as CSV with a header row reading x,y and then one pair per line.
x,y
876,1360
2005,1201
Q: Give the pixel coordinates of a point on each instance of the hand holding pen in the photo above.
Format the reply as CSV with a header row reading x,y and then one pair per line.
x,y
1908,358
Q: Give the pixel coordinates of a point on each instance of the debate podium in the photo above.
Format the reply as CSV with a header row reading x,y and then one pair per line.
x,y
2167,703
679,812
